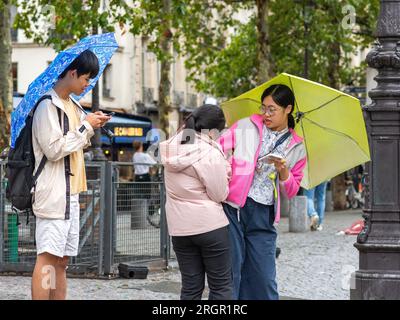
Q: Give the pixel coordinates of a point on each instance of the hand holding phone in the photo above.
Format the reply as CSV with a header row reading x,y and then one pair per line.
x,y
270,158
274,157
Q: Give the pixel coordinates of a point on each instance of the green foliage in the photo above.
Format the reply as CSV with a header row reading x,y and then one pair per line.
x,y
198,31
67,20
330,45
234,70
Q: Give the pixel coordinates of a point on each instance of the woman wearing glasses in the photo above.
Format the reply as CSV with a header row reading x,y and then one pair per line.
x,y
266,154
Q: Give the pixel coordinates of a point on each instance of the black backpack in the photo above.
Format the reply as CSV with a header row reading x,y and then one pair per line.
x,y
20,167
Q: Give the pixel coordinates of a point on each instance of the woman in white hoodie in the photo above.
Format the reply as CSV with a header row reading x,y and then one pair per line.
x,y
196,179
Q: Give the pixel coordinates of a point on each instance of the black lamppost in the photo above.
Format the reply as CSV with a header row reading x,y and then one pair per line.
x,y
378,244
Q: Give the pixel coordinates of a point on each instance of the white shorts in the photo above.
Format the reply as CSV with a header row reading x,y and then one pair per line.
x,y
59,237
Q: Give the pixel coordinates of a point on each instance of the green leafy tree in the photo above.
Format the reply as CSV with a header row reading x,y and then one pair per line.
x,y
330,31
5,73
193,29
331,40
61,23
235,69
189,27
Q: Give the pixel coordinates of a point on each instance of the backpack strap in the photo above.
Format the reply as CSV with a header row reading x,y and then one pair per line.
x,y
44,159
68,173
40,168
47,96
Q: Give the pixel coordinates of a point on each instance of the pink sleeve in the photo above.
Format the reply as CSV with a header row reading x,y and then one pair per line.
x,y
227,139
292,184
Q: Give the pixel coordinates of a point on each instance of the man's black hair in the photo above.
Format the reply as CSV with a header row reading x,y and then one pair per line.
x,y
86,62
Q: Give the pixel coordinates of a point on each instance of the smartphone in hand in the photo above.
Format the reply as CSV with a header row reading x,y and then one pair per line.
x,y
274,157
269,158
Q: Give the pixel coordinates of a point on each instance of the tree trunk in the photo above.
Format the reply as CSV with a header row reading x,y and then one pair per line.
x,y
339,192
338,183
334,65
264,58
5,74
164,89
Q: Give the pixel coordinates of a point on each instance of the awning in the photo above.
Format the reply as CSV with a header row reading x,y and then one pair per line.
x,y
121,140
123,121
126,121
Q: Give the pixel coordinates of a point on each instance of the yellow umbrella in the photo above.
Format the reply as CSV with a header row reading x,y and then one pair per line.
x,y
331,123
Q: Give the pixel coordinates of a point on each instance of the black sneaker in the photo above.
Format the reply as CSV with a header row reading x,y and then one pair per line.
x,y
277,252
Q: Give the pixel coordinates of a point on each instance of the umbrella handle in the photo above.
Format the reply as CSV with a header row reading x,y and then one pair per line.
x,y
108,133
299,116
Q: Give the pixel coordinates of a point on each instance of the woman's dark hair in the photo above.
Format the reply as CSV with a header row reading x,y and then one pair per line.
x,y
206,117
283,96
86,62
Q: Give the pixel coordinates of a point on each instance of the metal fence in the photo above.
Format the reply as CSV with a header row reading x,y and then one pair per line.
x,y
120,221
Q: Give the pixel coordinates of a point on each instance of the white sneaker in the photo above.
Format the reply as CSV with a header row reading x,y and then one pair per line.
x,y
319,228
314,222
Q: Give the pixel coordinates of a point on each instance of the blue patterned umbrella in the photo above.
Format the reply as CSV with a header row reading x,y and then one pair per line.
x,y
103,45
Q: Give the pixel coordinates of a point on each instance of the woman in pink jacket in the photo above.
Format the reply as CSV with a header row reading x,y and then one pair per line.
x,y
253,203
196,179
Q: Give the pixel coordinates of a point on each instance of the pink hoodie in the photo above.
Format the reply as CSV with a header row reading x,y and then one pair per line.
x,y
242,142
196,180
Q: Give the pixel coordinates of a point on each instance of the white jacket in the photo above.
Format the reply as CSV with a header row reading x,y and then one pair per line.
x,y
51,199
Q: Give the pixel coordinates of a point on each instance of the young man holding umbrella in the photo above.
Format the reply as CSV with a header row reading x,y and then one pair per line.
x,y
60,132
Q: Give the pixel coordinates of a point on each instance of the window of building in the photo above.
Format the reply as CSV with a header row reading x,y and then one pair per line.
x,y
14,32
107,82
14,70
14,35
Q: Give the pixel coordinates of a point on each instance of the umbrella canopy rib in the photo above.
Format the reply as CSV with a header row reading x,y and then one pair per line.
x,y
334,132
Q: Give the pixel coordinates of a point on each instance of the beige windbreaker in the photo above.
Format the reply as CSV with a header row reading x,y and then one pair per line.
x,y
51,199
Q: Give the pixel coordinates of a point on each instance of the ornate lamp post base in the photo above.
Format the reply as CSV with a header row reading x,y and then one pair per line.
x,y
378,244
380,284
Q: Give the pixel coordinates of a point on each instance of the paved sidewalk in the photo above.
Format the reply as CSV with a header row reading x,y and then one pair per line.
x,y
312,265
317,264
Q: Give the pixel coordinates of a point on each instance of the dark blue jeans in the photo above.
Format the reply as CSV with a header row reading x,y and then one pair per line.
x,y
253,244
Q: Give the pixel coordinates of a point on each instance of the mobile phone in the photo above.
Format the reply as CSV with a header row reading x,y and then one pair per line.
x,y
274,157
271,157
110,114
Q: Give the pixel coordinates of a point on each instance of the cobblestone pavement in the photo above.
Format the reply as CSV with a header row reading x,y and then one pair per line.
x,y
312,265
317,265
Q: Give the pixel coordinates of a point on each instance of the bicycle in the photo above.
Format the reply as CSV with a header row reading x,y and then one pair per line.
x,y
153,215
354,197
